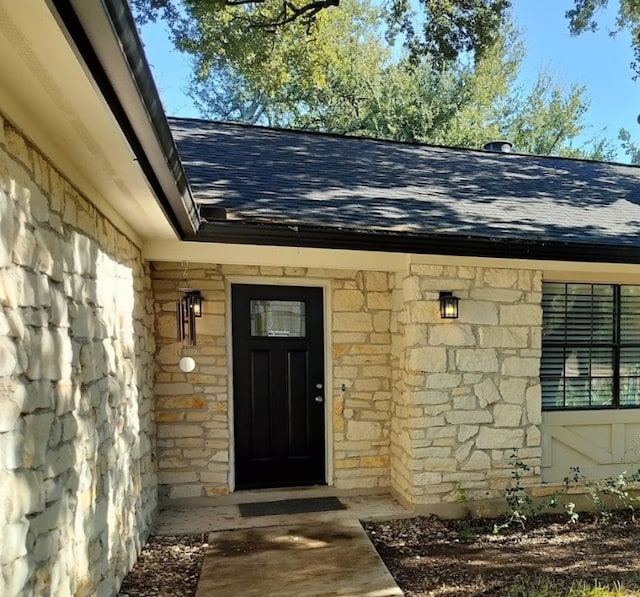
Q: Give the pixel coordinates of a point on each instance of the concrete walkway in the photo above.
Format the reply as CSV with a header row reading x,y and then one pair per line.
x,y
318,554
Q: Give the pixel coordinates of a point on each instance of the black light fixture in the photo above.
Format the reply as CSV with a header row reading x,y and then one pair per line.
x,y
188,307
448,305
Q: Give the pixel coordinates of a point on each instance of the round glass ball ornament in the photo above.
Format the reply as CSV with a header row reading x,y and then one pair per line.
x,y
187,364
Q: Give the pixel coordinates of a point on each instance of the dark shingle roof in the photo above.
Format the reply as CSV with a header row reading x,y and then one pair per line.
x,y
266,176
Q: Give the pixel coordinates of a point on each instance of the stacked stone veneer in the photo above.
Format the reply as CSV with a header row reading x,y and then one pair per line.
x,y
192,410
432,408
361,379
77,481
466,392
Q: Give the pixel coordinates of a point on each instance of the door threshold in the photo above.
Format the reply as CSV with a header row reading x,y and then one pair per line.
x,y
273,494
246,496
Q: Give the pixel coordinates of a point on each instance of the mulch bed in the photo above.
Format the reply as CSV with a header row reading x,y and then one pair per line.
x,y
432,557
167,566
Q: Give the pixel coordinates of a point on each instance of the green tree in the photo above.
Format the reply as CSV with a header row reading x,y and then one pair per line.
x,y
303,77
365,89
245,31
347,78
631,148
583,17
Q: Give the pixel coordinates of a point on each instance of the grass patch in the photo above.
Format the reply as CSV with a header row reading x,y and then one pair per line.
x,y
546,588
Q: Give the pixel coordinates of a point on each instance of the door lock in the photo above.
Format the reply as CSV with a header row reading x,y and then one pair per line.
x,y
318,398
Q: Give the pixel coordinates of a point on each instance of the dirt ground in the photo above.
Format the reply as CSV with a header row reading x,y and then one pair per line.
x,y
437,558
431,557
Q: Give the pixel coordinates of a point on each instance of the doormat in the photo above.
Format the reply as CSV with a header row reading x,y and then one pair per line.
x,y
297,506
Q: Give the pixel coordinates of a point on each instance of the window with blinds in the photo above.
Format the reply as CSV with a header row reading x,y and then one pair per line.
x,y
590,346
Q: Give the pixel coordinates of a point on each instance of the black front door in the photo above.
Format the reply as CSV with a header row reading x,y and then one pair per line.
x,y
278,386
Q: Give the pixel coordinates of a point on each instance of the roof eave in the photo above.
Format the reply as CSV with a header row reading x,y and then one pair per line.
x,y
397,242
105,39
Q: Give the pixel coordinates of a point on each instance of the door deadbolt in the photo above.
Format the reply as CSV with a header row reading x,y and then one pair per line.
x,y
318,386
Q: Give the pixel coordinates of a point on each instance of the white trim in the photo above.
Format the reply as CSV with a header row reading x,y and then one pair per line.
x,y
62,113
231,475
555,270
65,168
328,380
610,275
328,377
591,417
269,255
233,254
603,443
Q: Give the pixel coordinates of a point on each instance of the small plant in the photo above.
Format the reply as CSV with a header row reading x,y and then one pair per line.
x,y
519,501
462,498
585,589
607,495
568,482
618,489
465,527
521,504
466,530
570,509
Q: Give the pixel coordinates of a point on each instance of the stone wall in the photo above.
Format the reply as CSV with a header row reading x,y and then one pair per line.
x,y
432,408
361,348
77,480
192,409
466,392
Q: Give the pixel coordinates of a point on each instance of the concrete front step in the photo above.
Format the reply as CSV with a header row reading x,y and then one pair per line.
x,y
330,559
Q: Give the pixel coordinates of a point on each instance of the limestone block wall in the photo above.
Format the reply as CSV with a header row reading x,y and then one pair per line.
x,y
361,351
77,480
192,410
466,391
405,428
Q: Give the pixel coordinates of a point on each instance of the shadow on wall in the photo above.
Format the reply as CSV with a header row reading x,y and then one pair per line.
x,y
77,485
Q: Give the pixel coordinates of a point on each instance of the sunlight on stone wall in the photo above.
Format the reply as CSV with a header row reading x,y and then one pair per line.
x,y
192,410
77,479
466,391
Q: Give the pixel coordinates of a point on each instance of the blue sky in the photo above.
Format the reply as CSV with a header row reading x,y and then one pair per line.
x,y
597,61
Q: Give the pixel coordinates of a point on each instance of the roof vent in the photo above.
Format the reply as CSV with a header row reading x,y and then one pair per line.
x,y
211,212
498,146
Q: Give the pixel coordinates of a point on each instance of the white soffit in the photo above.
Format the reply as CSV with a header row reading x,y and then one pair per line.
x,y
265,255
46,93
269,255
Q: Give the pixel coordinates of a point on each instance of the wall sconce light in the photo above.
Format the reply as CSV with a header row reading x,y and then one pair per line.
x,y
188,307
448,305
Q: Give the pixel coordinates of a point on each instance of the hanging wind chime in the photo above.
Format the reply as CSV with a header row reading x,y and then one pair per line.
x,y
188,308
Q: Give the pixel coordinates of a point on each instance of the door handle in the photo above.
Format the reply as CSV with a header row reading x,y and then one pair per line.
x,y
318,398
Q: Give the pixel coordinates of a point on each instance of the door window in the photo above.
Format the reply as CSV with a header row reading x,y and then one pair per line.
x,y
278,318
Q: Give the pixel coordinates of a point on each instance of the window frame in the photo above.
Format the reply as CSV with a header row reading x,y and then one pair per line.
x,y
272,313
616,345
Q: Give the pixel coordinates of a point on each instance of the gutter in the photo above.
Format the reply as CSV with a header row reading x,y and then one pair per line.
x,y
106,41
434,244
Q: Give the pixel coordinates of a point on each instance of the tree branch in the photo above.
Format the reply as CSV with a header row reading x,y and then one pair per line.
x,y
291,12
242,2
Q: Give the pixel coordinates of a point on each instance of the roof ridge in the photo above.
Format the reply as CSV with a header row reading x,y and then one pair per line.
x,y
354,138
